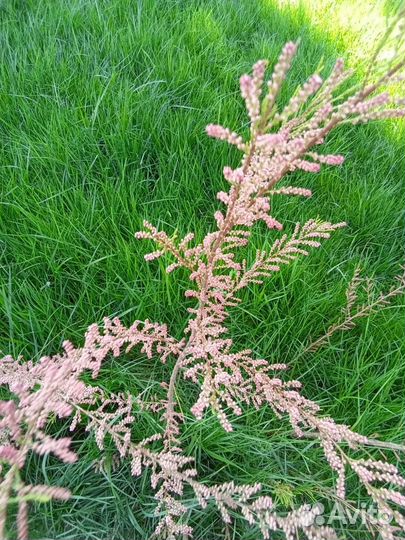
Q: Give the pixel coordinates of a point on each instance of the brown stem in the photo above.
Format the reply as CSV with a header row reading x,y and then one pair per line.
x,y
370,442
5,489
363,312
171,402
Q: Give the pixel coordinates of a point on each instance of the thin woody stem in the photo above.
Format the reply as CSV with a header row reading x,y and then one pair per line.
x,y
375,443
365,310
171,402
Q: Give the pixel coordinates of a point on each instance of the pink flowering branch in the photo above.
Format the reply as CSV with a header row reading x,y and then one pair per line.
x,y
310,115
228,379
172,473
281,140
53,386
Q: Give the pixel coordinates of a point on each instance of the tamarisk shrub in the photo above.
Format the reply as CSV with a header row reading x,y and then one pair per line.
x,y
280,141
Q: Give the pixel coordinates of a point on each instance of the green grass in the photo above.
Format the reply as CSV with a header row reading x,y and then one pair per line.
x,y
103,107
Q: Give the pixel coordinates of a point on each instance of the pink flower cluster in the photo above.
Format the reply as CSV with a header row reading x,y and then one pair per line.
x,y
53,386
229,379
281,140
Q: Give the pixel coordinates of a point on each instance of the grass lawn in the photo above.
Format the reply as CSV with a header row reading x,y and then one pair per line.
x,y
103,106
